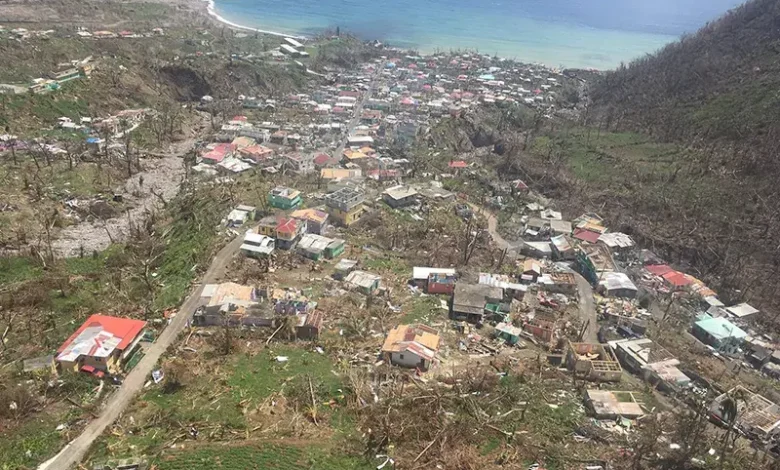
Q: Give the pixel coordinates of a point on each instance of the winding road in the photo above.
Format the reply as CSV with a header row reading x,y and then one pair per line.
x,y
75,451
587,305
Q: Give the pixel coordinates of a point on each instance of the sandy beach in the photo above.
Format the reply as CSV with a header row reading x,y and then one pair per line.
x,y
213,13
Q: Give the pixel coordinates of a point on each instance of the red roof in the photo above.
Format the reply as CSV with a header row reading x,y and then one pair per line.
x,y
659,269
239,118
586,235
125,328
287,225
321,159
459,164
219,152
677,279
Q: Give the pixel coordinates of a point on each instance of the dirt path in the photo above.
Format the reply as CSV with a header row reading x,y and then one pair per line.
x,y
493,227
587,309
72,453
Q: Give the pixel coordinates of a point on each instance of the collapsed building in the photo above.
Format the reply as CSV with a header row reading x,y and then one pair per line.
x,y
236,305
594,362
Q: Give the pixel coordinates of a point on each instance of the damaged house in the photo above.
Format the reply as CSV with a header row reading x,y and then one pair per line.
x,y
757,417
594,362
434,280
469,301
651,361
604,404
412,346
245,306
363,282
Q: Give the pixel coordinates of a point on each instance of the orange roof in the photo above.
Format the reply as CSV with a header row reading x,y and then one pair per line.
x,y
677,279
354,154
310,214
399,338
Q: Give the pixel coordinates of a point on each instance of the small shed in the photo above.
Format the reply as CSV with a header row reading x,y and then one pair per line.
x,y
508,332
344,267
363,281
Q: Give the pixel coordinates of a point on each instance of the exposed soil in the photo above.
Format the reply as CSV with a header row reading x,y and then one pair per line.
x,y
142,194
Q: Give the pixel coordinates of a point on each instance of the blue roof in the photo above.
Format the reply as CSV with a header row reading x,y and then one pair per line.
x,y
92,140
720,328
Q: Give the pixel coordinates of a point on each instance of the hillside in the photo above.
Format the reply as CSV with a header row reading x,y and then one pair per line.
x,y
717,87
683,150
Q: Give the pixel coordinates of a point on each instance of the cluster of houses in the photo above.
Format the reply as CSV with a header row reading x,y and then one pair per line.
x,y
24,33
123,34
409,92
621,273
67,71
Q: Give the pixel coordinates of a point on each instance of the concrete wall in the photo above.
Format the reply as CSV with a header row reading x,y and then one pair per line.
x,y
408,359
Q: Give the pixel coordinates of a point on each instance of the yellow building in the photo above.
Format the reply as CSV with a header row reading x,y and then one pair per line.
x,y
267,226
345,206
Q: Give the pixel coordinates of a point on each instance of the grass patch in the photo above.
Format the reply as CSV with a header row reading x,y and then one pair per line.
x,y
256,378
603,158
189,239
18,269
265,457
422,310
30,444
389,264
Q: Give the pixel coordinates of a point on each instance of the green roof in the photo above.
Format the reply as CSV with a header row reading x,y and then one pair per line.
x,y
720,328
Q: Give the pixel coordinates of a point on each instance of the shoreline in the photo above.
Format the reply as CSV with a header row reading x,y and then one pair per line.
x,y
212,12
210,8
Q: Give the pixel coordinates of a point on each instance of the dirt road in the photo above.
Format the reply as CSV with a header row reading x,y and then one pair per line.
x,y
493,227
587,305
134,382
587,309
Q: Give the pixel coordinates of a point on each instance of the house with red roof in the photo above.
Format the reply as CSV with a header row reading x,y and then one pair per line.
x,y
323,160
288,231
677,280
218,153
458,165
587,236
100,345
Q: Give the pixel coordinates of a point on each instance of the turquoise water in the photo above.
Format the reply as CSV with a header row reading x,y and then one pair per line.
x,y
572,33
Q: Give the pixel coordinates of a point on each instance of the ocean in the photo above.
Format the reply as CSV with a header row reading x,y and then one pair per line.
x,y
598,34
